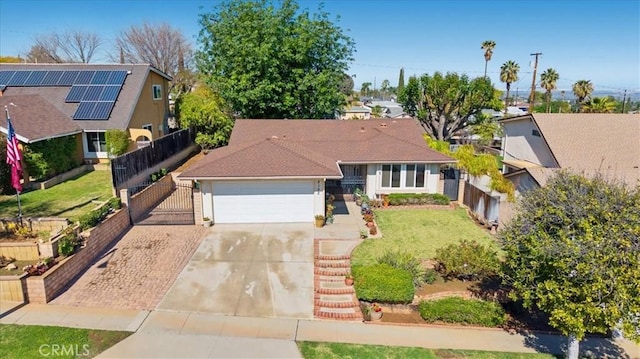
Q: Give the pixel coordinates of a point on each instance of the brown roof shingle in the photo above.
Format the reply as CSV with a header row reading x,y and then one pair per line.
x,y
34,118
589,143
310,148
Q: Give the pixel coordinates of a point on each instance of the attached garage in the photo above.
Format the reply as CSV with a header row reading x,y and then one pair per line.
x,y
265,201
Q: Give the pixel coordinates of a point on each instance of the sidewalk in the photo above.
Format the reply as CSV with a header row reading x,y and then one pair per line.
x,y
161,334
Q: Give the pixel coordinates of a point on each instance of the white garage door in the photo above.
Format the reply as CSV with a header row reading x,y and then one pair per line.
x,y
262,201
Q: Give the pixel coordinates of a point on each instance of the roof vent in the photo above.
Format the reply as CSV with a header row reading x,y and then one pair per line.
x,y
362,129
383,125
273,138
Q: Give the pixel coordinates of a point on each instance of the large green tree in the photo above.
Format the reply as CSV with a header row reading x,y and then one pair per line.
x,y
573,251
204,110
270,61
488,47
446,104
548,80
508,75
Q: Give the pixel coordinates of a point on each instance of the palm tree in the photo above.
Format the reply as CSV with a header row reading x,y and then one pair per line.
x,y
509,74
582,89
384,87
548,82
366,86
599,105
488,47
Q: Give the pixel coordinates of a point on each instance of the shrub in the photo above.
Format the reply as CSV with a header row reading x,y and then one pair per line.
x,y
383,283
117,142
45,159
67,244
91,219
399,199
406,261
430,276
463,311
467,260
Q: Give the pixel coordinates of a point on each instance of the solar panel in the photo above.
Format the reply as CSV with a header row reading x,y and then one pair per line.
x,y
110,93
84,111
5,76
93,93
100,78
19,78
76,93
52,78
116,78
102,111
84,78
35,79
68,78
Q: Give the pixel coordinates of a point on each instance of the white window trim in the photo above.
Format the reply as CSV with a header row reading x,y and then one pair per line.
x,y
153,91
85,144
403,176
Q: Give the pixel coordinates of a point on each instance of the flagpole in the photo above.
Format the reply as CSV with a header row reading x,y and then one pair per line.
x,y
6,111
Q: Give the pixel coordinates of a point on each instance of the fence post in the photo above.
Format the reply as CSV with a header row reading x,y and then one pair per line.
x,y
125,198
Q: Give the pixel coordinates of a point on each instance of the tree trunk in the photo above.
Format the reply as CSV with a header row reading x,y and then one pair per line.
x,y
486,62
573,347
506,100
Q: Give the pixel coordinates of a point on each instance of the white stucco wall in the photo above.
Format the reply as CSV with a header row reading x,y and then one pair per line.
x,y
318,197
372,180
520,144
206,191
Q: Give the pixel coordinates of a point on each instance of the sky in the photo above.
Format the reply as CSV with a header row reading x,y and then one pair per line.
x,y
582,40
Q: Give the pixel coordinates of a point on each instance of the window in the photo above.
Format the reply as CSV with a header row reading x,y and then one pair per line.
x,y
148,127
157,92
96,142
403,176
535,133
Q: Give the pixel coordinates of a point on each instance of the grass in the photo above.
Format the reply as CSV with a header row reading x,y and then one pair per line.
x,y
69,199
34,341
420,232
312,350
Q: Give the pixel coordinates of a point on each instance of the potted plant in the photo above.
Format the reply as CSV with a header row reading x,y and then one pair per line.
x,y
348,279
373,230
385,200
319,220
375,312
206,221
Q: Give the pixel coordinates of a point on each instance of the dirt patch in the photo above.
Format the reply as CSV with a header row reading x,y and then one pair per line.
x,y
440,285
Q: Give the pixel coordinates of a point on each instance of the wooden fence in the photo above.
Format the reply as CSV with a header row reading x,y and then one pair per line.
x,y
133,163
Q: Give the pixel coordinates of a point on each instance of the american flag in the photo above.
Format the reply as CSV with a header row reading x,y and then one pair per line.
x,y
13,157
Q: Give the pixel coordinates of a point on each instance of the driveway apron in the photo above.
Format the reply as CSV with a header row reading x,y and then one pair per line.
x,y
255,270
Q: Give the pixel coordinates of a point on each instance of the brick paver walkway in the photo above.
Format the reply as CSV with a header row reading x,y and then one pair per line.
x,y
138,270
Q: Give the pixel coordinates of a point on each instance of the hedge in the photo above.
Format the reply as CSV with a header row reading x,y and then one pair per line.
x,y
91,219
400,199
463,311
383,283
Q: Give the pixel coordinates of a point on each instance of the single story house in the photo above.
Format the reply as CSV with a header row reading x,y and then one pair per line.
x,y
281,170
47,101
360,112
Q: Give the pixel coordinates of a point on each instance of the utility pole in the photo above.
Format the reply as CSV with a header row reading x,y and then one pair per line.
x,y
624,100
532,96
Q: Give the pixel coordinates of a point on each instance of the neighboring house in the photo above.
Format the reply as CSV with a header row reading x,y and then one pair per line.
x,y
390,109
84,100
535,146
359,112
281,170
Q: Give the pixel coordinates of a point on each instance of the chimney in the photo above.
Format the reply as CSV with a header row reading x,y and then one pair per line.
x,y
383,125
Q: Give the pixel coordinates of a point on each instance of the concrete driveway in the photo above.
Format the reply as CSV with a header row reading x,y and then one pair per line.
x,y
254,270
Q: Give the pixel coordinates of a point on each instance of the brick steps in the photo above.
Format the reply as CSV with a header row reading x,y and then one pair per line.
x,y
333,299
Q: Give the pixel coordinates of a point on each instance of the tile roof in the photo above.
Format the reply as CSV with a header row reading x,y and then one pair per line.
x,y
606,143
285,148
123,109
34,118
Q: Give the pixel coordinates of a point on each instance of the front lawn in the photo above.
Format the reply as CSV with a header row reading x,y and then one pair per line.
x,y
69,199
312,350
420,232
35,341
